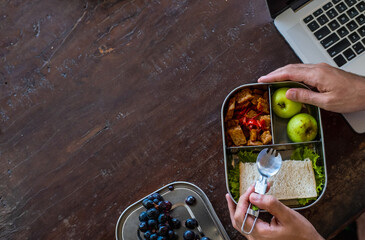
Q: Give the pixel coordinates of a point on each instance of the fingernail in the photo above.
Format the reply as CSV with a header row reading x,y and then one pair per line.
x,y
255,196
261,78
291,94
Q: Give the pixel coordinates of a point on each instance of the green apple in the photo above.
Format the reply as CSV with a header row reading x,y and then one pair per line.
x,y
302,128
282,106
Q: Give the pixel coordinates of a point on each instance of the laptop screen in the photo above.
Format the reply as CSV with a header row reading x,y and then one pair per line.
x,y
278,6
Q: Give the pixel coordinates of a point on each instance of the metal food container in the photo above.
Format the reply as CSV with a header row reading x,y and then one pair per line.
x,y
202,211
280,140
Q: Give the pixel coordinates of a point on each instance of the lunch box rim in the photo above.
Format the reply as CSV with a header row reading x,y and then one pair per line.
x,y
224,140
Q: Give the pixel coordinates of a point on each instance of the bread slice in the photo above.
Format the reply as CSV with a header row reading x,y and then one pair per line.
x,y
294,180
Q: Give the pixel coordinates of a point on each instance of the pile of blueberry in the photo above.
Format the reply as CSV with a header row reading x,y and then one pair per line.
x,y
156,223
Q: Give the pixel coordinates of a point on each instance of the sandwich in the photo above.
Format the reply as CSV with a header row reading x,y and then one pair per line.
x,y
294,180
298,182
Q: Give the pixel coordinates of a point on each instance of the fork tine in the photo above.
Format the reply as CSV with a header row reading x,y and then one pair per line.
x,y
274,153
270,151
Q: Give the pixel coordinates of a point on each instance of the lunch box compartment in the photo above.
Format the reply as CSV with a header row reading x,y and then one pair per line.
x,y
279,124
263,87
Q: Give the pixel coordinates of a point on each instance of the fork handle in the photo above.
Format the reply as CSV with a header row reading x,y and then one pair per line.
x,y
261,185
255,214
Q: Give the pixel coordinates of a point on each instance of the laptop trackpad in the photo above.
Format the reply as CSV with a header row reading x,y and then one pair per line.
x,y
305,47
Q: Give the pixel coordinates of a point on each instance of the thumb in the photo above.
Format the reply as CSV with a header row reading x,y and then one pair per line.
x,y
272,205
305,96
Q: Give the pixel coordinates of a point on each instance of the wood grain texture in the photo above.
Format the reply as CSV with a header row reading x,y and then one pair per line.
x,y
102,102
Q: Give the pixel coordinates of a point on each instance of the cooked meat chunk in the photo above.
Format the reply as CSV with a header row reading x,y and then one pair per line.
x,y
242,105
263,105
266,96
232,123
237,136
253,134
255,98
244,96
258,91
245,131
266,137
251,114
254,143
267,121
230,111
229,140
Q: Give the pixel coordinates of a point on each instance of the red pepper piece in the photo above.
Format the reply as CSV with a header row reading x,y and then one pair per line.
x,y
262,124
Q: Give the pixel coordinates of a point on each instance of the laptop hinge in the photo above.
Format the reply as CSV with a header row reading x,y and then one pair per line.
x,y
296,5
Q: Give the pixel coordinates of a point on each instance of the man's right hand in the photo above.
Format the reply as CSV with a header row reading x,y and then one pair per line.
x,y
286,224
339,91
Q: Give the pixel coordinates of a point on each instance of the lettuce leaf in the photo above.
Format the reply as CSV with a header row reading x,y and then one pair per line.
x,y
234,182
247,156
302,153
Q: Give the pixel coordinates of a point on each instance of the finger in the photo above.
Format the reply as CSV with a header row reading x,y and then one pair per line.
x,y
295,72
243,203
231,208
274,221
273,76
272,205
306,96
241,208
248,223
262,229
288,66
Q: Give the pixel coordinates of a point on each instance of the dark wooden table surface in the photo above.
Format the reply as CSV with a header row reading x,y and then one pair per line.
x,y
102,102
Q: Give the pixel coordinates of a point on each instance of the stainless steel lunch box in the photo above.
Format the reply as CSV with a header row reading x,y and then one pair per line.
x,y
280,141
202,211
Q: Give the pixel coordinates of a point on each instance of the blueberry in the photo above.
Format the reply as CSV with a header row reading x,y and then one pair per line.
x,y
162,218
152,213
161,205
156,201
153,236
171,187
205,238
147,234
147,203
162,230
152,223
190,200
168,205
175,223
191,223
171,234
143,217
157,196
150,197
189,235
161,238
143,226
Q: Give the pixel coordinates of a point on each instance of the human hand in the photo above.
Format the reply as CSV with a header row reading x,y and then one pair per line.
x,y
286,223
339,91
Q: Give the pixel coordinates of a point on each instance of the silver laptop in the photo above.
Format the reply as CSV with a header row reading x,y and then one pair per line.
x,y
330,31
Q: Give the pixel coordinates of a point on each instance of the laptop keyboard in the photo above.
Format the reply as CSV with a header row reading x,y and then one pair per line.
x,y
339,26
